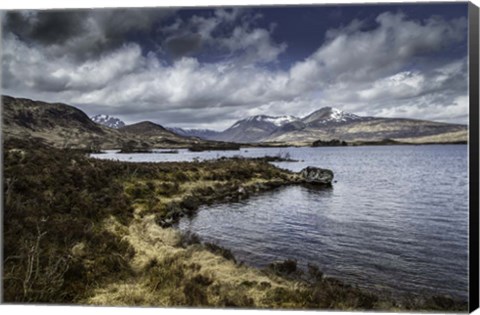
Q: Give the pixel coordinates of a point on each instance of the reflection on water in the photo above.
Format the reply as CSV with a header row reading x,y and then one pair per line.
x,y
396,218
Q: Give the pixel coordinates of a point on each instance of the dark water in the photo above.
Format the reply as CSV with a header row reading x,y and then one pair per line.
x,y
395,220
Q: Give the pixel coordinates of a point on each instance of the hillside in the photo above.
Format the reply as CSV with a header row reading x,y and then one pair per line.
x,y
146,134
154,132
56,124
254,128
205,134
64,126
374,129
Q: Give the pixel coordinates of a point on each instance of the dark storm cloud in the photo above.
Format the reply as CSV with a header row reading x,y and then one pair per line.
x,y
183,45
83,34
46,28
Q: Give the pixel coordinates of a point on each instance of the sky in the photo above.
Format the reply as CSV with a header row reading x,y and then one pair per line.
x,y
209,67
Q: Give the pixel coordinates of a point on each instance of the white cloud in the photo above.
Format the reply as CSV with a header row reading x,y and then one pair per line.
x,y
256,44
363,71
352,55
232,31
33,68
456,110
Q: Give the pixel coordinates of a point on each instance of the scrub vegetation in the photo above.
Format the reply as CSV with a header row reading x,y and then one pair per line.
x,y
84,231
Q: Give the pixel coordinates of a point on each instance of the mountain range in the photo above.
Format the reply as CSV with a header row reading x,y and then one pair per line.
x,y
63,125
330,123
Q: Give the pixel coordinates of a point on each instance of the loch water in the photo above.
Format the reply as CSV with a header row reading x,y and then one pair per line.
x,y
395,220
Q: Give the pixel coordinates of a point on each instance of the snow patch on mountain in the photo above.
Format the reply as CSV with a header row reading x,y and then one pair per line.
x,y
108,121
340,116
329,115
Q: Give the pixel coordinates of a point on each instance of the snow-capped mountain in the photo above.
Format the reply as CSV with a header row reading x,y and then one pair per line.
x,y
265,128
249,129
108,121
329,115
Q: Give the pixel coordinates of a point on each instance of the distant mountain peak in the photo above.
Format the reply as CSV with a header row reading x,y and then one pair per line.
x,y
147,123
148,128
145,126
329,115
108,121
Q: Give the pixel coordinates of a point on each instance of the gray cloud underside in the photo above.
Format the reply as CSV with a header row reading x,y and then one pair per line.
x,y
366,72
80,34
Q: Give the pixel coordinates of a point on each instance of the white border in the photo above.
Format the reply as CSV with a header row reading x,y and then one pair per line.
x,y
78,310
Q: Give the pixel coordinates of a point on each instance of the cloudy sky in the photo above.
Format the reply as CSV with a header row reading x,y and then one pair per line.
x,y
207,68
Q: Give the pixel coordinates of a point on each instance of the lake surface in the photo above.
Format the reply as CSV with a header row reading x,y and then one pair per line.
x,y
396,219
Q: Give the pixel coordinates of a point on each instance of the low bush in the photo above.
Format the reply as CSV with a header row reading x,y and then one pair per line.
x,y
55,199
286,267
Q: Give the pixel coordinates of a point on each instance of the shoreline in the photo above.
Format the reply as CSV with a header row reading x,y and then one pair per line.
x,y
156,264
302,145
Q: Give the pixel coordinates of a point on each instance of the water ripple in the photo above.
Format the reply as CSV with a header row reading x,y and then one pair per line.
x,y
396,219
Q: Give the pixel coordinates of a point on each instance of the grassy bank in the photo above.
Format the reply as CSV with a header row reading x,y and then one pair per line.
x,y
80,230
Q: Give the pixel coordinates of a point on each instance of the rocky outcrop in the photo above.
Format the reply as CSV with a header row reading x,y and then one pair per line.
x,y
316,176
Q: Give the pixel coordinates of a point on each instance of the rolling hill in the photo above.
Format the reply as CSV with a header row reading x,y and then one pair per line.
x,y
65,126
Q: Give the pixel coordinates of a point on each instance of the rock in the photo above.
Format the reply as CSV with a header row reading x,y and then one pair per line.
x,y
315,175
